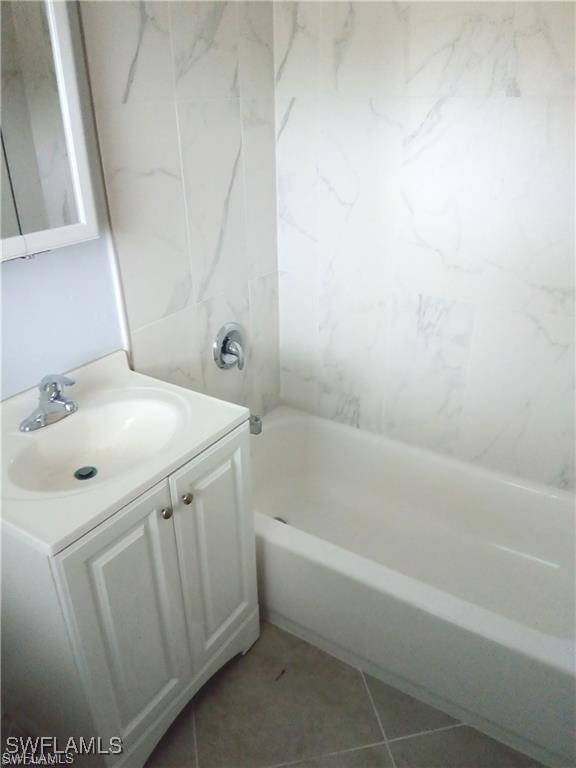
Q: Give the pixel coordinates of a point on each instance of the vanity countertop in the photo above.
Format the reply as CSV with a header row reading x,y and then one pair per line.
x,y
134,429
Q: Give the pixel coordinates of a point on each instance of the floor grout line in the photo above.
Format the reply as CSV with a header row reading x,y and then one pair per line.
x,y
425,733
327,754
195,739
382,729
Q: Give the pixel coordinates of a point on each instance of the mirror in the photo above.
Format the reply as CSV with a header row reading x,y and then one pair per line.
x,y
46,192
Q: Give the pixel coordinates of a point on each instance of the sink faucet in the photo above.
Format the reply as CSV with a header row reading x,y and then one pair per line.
x,y
52,406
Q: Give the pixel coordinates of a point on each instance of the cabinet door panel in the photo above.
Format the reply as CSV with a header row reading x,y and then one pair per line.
x,y
216,542
122,582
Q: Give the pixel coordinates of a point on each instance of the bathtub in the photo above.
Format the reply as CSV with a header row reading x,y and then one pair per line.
x,y
449,581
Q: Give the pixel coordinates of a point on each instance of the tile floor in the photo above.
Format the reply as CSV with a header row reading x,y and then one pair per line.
x,y
288,703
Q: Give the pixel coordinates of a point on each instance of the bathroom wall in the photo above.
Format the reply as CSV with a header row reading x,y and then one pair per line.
x,y
62,309
184,106
59,310
425,157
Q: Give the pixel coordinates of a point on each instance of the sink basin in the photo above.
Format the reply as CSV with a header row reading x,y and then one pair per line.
x,y
133,429
113,431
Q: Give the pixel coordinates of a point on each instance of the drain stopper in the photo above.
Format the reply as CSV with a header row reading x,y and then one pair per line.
x,y
85,473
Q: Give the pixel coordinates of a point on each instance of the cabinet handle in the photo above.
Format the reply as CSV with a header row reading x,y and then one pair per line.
x,y
188,498
166,513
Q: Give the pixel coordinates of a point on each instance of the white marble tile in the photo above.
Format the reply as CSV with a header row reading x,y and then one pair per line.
x,y
256,54
351,374
211,142
297,27
545,43
425,181
519,409
298,332
146,199
490,49
357,163
297,137
427,352
297,140
506,163
357,166
128,47
259,171
264,365
169,349
363,49
205,48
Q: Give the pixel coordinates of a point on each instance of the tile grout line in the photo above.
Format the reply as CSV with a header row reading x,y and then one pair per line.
x,y
195,740
326,754
425,733
383,731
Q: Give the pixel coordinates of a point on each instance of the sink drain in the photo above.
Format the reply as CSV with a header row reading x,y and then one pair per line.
x,y
85,473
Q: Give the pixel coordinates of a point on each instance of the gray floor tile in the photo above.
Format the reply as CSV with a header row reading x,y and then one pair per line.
x,y
461,747
284,701
401,714
176,748
371,757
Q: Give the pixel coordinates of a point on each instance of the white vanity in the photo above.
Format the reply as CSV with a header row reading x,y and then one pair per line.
x,y
123,592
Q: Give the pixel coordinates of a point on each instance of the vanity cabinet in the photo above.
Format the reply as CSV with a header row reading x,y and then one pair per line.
x,y
215,546
125,605
148,605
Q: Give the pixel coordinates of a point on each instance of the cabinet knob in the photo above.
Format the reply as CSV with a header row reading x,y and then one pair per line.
x,y
187,498
166,513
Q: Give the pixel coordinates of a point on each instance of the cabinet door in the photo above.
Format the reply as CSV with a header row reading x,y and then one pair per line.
x,y
215,535
122,590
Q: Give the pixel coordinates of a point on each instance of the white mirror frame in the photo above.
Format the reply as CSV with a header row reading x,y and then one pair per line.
x,y
67,77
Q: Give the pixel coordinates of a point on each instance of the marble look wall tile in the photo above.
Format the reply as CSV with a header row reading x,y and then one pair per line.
x,y
427,352
298,332
145,194
352,336
128,47
297,140
363,49
211,137
522,256
188,147
259,172
297,28
519,408
264,368
426,195
298,248
169,349
544,39
256,54
358,161
490,49
205,43
359,143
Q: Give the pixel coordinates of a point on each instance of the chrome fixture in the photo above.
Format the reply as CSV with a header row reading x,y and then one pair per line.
x,y
228,349
255,425
166,513
188,498
52,406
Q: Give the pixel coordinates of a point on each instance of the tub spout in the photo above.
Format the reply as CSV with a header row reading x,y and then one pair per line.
x,y
255,425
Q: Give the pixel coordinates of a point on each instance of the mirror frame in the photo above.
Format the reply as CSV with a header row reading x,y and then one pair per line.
x,y
71,77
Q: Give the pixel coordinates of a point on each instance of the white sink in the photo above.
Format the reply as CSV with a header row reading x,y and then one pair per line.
x,y
112,432
133,429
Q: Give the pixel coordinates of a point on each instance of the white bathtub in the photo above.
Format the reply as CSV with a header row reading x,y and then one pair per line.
x,y
449,581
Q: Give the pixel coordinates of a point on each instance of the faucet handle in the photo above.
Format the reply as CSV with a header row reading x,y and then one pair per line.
x,y
55,382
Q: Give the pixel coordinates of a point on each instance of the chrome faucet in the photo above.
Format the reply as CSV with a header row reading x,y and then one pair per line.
x,y
52,406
